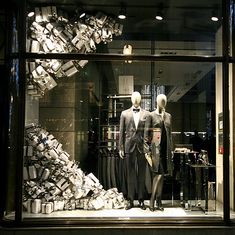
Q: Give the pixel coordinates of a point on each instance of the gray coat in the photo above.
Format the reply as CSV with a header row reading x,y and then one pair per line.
x,y
155,122
130,137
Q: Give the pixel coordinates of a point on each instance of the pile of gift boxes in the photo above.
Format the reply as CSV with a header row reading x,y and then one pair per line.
x,y
52,31
53,182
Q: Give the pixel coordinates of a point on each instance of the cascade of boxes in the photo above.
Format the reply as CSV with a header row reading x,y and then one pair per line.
x,y
52,31
53,182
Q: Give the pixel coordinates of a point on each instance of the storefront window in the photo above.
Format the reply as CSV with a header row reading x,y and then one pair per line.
x,y
123,118
72,163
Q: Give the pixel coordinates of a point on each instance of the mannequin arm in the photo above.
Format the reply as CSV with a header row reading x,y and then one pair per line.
x,y
121,136
121,154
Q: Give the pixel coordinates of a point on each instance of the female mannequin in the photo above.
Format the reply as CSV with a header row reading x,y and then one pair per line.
x,y
157,140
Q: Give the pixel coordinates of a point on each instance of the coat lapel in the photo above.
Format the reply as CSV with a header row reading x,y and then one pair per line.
x,y
131,118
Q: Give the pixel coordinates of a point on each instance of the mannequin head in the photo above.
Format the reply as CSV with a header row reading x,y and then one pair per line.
x,y
161,101
135,99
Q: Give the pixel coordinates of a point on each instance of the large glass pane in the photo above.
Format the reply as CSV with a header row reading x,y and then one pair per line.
x,y
186,27
73,166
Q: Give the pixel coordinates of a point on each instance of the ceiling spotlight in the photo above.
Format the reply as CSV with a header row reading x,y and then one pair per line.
x,y
122,13
214,14
159,17
214,18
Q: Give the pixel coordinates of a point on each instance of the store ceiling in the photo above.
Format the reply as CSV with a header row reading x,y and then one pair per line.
x,y
184,21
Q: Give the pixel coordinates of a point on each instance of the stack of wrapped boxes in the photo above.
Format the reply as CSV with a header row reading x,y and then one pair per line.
x,y
53,182
52,31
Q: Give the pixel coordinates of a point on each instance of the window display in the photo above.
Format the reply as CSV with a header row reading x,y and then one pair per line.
x,y
53,182
112,135
87,156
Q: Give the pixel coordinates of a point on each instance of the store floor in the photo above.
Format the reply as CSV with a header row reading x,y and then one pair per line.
x,y
170,210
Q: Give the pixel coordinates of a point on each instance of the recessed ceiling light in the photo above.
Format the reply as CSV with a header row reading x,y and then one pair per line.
x,y
159,17
122,12
122,16
214,18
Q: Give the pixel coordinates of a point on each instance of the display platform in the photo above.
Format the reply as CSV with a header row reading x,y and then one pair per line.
x,y
175,210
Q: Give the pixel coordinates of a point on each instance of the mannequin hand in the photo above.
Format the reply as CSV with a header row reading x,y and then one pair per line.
x,y
149,159
121,154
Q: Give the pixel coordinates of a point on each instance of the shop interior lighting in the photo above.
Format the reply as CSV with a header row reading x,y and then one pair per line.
x,y
122,13
214,14
159,15
214,18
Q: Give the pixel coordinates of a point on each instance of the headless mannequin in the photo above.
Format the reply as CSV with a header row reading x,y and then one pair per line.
x,y
157,184
135,99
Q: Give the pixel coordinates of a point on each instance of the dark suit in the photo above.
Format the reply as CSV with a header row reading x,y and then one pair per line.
x,y
131,141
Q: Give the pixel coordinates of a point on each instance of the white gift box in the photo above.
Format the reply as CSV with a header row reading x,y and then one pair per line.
x,y
29,202
62,184
45,174
36,206
78,193
40,147
38,16
64,156
100,19
35,46
46,12
25,173
108,204
38,27
92,177
32,172
82,63
53,153
58,205
47,207
97,203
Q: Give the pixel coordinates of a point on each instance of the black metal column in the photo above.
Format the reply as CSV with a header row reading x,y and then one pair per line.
x,y
225,66
21,108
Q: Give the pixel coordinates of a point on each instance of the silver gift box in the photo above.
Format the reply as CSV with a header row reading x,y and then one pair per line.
x,y
47,207
25,173
36,206
63,184
38,15
32,172
58,205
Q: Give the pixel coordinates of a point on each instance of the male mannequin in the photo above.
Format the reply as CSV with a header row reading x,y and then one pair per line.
x,y
157,143
131,141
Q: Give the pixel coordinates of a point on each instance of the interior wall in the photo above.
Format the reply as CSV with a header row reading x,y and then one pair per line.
x,y
219,109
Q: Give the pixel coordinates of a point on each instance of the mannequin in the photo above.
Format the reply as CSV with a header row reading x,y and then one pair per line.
x,y
131,142
157,144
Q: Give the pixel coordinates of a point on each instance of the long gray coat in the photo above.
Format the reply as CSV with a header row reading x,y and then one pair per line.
x,y
154,122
